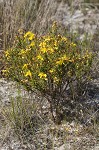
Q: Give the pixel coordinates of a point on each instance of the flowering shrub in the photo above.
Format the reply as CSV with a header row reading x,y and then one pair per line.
x,y
51,63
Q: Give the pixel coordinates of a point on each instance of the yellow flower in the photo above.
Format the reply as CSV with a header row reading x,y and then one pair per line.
x,y
5,72
25,66
32,36
47,39
65,58
39,57
55,43
59,62
42,75
62,59
29,35
28,73
42,44
27,50
73,44
43,50
32,44
7,53
64,39
51,50
51,70
22,52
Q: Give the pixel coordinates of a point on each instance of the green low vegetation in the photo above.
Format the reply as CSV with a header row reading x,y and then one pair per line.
x,y
53,64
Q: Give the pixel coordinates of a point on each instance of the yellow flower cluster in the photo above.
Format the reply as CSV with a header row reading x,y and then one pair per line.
x,y
42,75
46,46
62,59
29,35
28,74
50,58
7,54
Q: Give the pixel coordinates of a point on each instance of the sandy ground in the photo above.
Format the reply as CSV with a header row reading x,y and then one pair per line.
x,y
67,136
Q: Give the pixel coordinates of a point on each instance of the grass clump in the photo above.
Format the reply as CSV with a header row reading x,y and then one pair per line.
x,y
21,115
53,64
